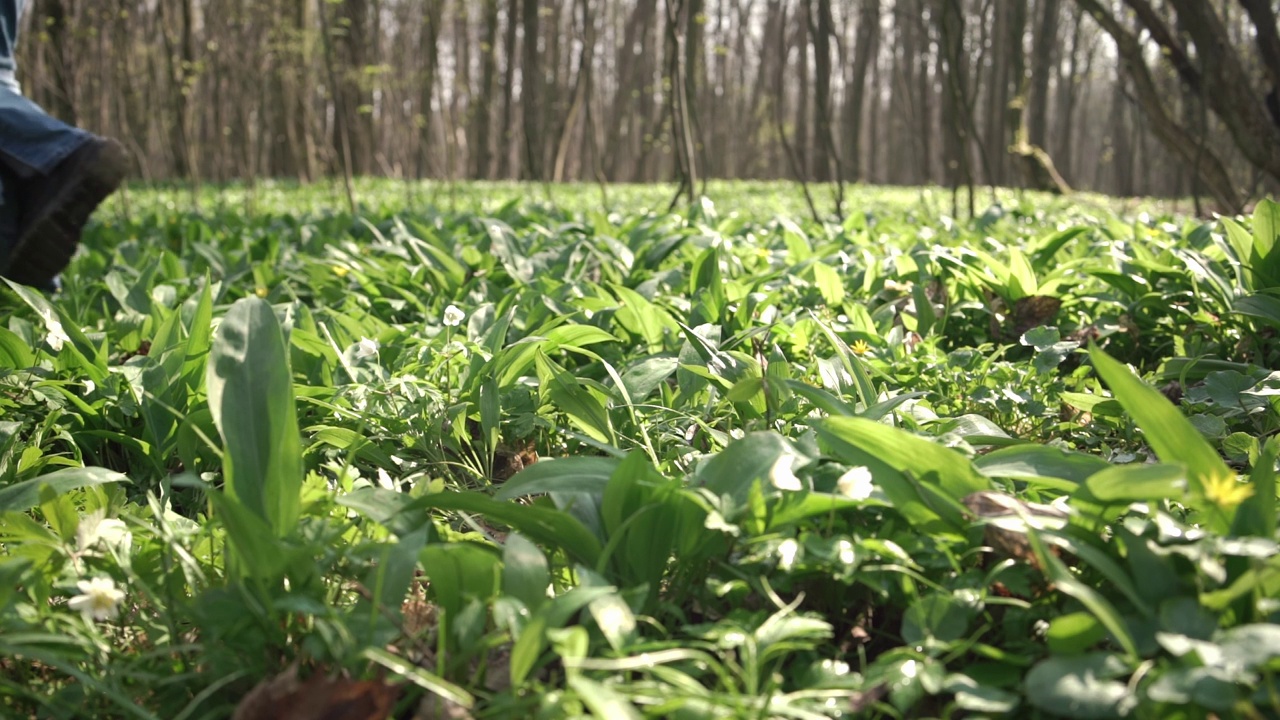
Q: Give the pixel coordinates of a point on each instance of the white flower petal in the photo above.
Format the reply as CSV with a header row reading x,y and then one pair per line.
x,y
856,484
787,552
453,316
781,476
99,599
366,348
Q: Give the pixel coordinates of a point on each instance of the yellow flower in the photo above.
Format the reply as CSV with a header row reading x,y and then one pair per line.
x,y
860,347
1226,491
261,292
340,271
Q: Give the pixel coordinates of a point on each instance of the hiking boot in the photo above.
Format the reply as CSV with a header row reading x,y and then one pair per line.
x,y
8,217
56,207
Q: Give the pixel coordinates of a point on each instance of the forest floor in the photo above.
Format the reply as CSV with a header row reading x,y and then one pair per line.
x,y
524,451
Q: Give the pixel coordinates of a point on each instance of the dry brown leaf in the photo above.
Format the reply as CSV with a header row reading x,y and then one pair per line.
x,y
284,697
989,505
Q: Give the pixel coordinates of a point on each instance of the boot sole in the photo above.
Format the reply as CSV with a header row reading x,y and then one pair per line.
x,y
49,240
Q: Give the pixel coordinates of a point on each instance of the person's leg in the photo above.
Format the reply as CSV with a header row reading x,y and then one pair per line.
x,y
31,142
61,173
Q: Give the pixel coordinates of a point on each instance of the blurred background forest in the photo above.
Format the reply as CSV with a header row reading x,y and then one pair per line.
x,y
1126,97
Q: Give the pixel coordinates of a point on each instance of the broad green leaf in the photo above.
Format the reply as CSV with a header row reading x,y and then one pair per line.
x,y
1169,433
14,353
576,336
642,317
1125,483
1074,633
584,409
643,378
1097,604
1250,646
528,648
979,698
1266,232
1241,242
460,572
525,575
561,475
1257,514
854,438
1260,581
1083,687
1022,279
26,495
936,617
251,398
614,618
601,700
61,330
547,527
257,549
388,581
745,462
1206,687
1261,306
829,283
1027,462
60,513
350,441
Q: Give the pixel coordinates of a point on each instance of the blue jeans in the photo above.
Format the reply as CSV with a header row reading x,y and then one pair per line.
x,y
31,142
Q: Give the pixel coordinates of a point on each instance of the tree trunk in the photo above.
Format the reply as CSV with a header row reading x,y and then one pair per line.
x,y
481,120
508,92
428,44
956,114
530,87
1042,60
1176,137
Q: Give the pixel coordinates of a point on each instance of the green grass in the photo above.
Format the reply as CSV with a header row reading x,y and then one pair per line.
x,y
561,455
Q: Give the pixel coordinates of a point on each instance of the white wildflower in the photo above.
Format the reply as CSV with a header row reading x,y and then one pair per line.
x,y
856,484
781,475
99,599
366,348
57,336
94,529
844,551
787,552
453,316
89,387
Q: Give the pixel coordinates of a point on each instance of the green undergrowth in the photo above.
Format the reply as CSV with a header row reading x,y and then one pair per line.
x,y
485,451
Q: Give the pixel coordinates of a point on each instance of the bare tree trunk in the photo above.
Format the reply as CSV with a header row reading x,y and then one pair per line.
x,y
508,92
1175,136
1042,60
481,119
429,54
530,92
821,30
679,20
801,44
581,91
956,113
868,38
